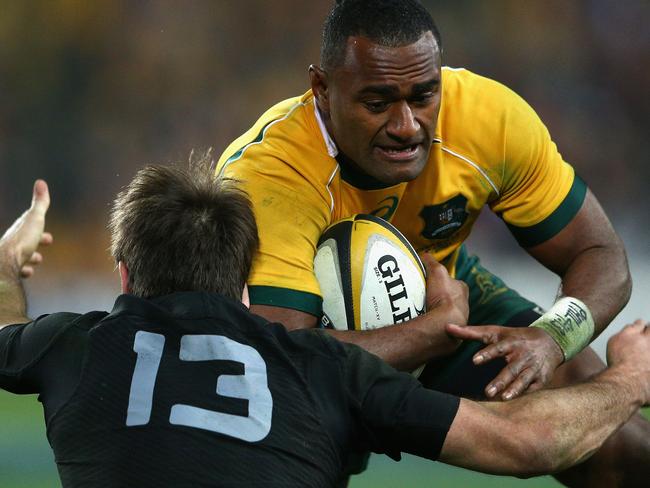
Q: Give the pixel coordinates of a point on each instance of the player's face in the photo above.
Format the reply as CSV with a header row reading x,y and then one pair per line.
x,y
382,106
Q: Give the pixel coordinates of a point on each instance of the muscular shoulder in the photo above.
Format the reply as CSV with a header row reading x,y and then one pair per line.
x,y
485,122
285,143
471,102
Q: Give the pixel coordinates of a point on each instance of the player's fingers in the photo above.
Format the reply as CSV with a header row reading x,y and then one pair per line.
x,y
35,258
26,271
474,333
46,239
504,378
636,327
40,197
437,274
428,260
496,350
520,384
534,386
639,325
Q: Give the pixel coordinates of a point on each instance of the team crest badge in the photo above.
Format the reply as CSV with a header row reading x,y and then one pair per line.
x,y
442,220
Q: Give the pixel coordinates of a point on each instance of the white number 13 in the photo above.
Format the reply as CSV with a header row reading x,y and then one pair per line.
x,y
251,386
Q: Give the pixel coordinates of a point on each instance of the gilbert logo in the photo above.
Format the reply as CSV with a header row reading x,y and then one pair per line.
x,y
388,269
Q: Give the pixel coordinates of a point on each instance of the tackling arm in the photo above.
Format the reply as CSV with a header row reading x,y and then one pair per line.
x,y
550,430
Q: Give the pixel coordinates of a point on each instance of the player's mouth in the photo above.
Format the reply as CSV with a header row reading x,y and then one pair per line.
x,y
398,153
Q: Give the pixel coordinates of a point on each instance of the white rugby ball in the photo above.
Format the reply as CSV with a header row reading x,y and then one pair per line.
x,y
369,275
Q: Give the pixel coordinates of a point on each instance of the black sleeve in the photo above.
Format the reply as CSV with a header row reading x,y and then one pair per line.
x,y
22,346
396,413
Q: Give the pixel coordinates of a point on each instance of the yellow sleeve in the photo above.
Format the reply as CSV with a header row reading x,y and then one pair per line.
x,y
291,215
540,193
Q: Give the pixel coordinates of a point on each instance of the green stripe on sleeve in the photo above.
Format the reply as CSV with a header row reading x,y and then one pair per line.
x,y
286,298
554,223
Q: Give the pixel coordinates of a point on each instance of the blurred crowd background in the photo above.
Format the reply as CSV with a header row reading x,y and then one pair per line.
x,y
91,91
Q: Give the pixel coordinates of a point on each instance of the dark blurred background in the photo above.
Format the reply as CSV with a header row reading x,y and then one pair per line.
x,y
91,91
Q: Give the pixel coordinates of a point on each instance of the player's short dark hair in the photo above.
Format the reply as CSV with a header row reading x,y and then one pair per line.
x,y
389,23
180,229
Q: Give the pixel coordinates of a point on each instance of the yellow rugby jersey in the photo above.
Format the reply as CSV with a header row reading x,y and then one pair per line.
x,y
490,147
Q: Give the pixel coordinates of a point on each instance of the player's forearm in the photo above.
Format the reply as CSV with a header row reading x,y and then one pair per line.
x,y
567,425
408,345
600,277
13,305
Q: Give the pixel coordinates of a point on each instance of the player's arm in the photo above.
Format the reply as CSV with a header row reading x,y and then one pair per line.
x,y
404,346
19,255
559,222
590,258
550,430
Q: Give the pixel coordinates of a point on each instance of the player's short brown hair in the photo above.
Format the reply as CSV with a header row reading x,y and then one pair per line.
x,y
180,229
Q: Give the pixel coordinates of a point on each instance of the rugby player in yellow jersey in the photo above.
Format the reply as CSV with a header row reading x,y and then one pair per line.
x,y
385,129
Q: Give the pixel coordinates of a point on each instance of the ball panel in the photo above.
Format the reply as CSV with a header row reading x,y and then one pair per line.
x,y
391,231
341,233
328,271
393,289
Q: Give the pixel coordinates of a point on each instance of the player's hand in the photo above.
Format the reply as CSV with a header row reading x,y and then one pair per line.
x,y
532,356
19,244
630,348
443,290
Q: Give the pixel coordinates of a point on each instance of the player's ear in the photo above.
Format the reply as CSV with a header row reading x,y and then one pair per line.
x,y
124,277
318,80
244,296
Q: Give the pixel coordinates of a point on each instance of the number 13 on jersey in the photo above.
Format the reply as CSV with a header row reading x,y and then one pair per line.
x,y
251,386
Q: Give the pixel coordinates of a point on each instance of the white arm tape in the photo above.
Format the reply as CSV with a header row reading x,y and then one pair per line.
x,y
569,323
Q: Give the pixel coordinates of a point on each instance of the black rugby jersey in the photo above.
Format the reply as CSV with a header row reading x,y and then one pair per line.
x,y
191,389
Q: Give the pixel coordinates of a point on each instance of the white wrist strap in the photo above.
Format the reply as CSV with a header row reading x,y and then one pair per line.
x,y
569,323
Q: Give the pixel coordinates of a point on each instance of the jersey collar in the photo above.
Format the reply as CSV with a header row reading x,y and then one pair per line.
x,y
332,150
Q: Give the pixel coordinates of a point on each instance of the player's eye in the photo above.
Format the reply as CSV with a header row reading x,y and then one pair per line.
x,y
376,105
423,98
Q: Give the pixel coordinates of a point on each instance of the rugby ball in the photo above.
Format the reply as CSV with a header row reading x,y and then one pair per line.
x,y
369,275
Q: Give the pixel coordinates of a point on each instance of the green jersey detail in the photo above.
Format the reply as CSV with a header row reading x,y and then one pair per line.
x,y
554,223
386,211
286,298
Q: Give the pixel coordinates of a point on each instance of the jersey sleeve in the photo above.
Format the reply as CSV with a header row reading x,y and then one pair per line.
x,y
23,346
540,192
397,414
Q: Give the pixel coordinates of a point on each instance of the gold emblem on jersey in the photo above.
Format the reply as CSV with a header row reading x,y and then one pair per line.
x,y
443,220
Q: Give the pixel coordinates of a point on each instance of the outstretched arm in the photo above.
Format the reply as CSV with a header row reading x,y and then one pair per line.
x,y
553,429
19,255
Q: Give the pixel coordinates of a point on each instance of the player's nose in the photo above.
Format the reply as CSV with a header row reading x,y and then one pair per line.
x,y
402,124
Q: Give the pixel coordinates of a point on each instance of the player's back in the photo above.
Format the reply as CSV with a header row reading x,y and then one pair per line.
x,y
192,390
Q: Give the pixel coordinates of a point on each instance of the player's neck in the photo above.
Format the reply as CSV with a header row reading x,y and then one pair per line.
x,y
351,174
